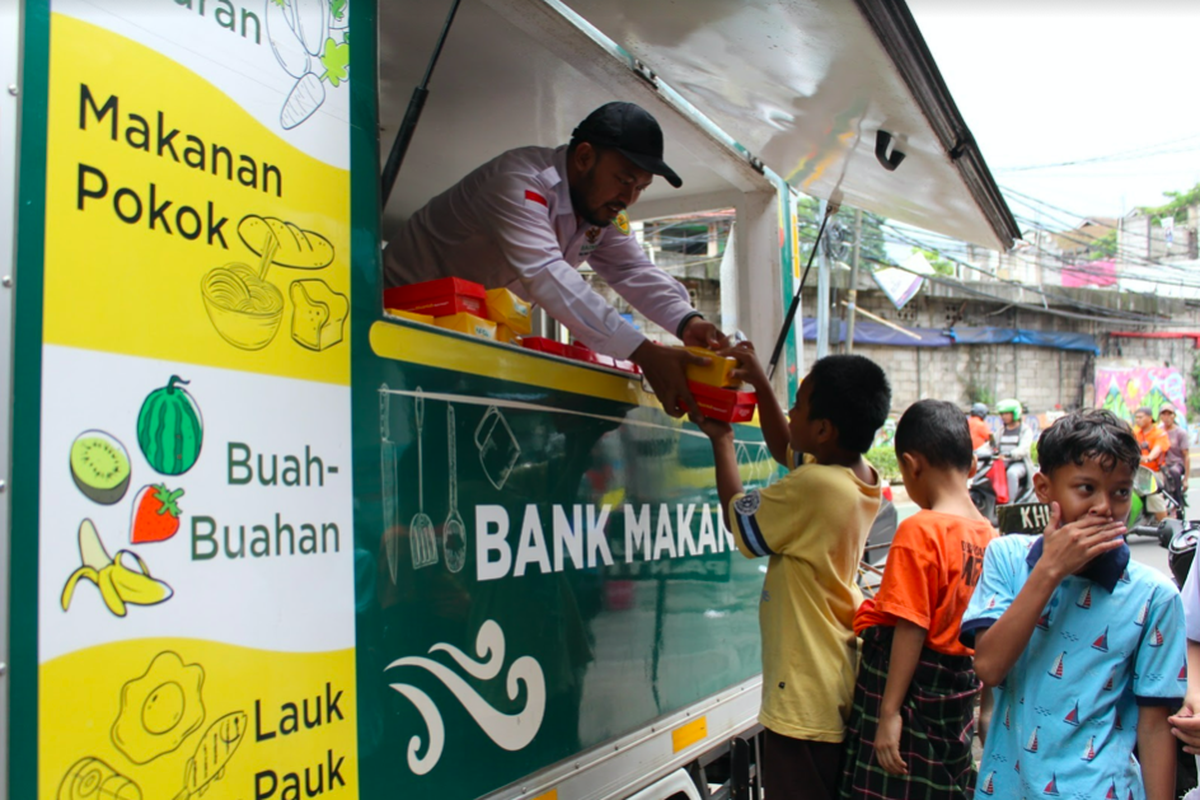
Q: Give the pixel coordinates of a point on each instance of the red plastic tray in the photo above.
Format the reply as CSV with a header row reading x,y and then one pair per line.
x,y
729,405
544,345
438,298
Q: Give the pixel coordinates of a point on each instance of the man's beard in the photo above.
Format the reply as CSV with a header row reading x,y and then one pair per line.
x,y
579,204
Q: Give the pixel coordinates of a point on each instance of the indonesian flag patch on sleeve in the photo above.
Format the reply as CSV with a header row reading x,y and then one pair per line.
x,y
621,223
532,197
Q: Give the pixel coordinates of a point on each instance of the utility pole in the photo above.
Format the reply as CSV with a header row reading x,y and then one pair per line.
x,y
852,305
822,293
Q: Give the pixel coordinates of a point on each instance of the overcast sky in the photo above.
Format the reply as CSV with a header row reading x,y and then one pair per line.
x,y
1066,80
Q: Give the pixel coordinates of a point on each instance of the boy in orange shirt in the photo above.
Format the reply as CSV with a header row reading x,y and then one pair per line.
x,y
912,723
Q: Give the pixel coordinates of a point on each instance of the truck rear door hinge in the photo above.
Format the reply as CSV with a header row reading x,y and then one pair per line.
x,y
645,73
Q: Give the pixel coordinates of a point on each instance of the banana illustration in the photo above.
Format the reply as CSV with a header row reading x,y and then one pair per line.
x,y
119,584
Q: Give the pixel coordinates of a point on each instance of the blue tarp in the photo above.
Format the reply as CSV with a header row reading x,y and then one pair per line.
x,y
867,332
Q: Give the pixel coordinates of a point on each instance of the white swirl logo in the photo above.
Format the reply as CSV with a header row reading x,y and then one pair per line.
x,y
510,731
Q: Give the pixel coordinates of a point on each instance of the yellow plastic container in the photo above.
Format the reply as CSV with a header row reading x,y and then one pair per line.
x,y
505,307
469,324
716,373
505,334
410,315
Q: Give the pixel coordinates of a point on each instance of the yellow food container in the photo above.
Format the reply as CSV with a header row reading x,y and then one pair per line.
x,y
464,322
716,373
410,315
505,307
505,334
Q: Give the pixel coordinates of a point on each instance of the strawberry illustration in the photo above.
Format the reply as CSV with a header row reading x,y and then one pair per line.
x,y
155,514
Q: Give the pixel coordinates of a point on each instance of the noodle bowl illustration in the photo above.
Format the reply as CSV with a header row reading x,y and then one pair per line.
x,y
245,309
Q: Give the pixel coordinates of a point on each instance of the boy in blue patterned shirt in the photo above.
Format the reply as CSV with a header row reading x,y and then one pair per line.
x,y
1085,649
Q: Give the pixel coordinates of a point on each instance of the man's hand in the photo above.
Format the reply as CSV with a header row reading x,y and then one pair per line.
x,y
887,744
1185,723
749,368
699,332
1068,548
666,370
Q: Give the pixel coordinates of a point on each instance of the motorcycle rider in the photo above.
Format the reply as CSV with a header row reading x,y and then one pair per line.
x,y
1015,445
1178,455
1154,444
981,434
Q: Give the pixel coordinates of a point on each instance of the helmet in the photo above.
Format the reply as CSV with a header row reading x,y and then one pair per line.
x,y
1180,553
980,410
1010,406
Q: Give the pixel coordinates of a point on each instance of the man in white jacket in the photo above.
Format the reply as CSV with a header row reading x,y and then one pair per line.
x,y
529,217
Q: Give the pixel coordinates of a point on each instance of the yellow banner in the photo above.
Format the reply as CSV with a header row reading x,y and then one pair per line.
x,y
179,227
178,718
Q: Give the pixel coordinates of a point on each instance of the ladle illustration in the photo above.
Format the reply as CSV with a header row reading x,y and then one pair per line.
x,y
389,485
454,533
420,530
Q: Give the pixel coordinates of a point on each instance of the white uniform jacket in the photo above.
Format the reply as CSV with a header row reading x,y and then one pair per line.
x,y
511,223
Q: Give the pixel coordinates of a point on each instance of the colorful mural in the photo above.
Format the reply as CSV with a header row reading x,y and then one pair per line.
x,y
1124,390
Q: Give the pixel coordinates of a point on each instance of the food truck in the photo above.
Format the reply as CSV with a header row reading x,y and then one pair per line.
x,y
264,539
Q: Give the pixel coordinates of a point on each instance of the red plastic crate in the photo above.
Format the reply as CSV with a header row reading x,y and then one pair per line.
x,y
582,353
729,405
544,345
438,298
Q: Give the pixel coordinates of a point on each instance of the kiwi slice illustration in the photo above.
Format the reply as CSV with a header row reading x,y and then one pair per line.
x,y
100,466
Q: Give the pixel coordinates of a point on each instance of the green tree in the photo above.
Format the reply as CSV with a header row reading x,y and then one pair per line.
x,y
1179,203
1103,247
939,263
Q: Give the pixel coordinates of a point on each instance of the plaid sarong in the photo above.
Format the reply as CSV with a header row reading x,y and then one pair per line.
x,y
939,724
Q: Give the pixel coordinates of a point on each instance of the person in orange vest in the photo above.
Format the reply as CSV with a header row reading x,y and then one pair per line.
x,y
1154,444
981,434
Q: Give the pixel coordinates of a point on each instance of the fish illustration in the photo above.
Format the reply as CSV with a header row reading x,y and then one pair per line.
x,y
216,747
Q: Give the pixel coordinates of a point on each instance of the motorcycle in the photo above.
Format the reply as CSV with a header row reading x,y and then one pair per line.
x,y
1142,522
989,486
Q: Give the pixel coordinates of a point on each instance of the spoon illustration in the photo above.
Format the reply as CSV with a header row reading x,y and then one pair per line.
x,y
420,530
454,533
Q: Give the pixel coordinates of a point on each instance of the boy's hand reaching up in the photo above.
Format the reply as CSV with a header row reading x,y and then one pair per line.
x,y
1068,548
749,369
715,429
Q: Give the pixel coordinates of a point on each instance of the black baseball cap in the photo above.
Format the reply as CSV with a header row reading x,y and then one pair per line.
x,y
631,131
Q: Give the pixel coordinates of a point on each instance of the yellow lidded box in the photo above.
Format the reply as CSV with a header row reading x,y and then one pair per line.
x,y
505,307
505,334
716,373
410,315
468,323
